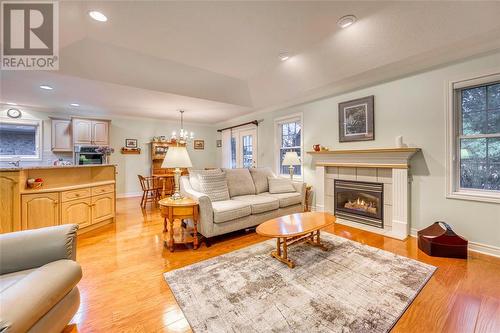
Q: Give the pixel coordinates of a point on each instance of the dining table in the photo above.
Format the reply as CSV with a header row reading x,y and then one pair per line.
x,y
164,178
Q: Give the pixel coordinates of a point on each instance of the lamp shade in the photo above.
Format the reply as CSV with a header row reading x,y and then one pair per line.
x,y
177,157
291,158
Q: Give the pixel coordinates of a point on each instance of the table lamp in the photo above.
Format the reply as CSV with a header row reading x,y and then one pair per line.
x,y
177,158
291,158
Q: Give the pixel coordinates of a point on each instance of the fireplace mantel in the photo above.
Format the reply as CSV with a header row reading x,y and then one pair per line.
x,y
389,166
389,158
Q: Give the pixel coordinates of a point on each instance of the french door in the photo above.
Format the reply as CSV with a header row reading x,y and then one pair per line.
x,y
244,148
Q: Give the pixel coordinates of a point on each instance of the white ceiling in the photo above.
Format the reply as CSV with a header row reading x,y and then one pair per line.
x,y
219,60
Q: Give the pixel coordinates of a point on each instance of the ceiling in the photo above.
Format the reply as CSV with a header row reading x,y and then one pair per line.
x,y
219,60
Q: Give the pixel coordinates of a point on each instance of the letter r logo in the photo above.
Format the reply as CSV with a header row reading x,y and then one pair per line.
x,y
28,28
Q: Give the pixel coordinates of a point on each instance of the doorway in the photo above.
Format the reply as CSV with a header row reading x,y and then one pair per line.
x,y
244,148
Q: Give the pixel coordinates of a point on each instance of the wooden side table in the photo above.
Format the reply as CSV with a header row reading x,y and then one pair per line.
x,y
172,210
308,198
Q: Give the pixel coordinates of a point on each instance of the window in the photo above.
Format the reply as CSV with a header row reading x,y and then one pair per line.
x,y
20,139
288,138
476,139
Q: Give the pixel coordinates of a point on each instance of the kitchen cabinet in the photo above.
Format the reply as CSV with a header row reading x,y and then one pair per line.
x,y
82,131
100,133
77,211
61,135
84,195
10,202
40,210
103,207
90,132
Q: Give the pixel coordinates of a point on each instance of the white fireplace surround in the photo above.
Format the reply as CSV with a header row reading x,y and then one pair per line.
x,y
389,166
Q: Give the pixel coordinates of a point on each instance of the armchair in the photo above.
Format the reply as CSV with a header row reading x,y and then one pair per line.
x,y
38,278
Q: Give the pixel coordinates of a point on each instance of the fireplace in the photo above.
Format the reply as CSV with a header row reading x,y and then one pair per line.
x,y
361,202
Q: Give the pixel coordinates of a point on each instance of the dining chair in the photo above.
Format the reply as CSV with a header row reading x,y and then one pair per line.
x,y
151,188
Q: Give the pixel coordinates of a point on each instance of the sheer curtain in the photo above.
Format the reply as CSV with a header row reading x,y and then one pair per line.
x,y
226,149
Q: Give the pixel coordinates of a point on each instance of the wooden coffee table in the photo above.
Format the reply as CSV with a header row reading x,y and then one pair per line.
x,y
293,229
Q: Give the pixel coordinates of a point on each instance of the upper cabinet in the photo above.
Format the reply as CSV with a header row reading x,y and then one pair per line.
x,y
90,132
100,132
61,135
82,131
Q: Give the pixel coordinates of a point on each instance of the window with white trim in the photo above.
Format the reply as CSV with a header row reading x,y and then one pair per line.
x,y
288,138
20,140
476,142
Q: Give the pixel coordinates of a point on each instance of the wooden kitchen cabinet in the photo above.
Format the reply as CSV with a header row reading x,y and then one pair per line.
x,y
103,207
40,210
9,202
82,131
90,132
61,135
77,211
100,132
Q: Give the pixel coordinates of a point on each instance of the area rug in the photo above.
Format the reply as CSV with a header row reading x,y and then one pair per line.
x,y
349,288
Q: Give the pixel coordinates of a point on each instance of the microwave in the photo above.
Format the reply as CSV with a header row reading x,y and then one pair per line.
x,y
85,155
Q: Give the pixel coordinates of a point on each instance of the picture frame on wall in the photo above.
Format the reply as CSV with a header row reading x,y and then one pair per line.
x,y
131,143
199,144
219,143
357,120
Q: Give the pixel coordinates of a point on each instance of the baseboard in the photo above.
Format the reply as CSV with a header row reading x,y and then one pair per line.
x,y
128,195
490,250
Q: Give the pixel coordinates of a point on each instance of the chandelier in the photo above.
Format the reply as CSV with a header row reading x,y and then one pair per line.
x,y
184,135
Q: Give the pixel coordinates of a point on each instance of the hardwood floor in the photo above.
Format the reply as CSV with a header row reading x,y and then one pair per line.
x,y
123,289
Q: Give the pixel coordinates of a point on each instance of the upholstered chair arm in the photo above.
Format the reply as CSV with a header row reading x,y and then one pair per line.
x,y
29,299
206,212
28,249
301,188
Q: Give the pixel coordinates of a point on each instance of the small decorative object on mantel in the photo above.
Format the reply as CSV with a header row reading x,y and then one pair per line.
x,y
105,151
130,151
399,142
199,144
317,147
323,148
439,240
356,120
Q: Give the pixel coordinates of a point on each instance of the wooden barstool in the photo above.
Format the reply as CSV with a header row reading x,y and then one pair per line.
x,y
151,188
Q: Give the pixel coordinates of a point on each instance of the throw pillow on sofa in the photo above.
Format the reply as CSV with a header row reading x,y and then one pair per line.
x,y
239,182
214,186
259,176
193,176
280,185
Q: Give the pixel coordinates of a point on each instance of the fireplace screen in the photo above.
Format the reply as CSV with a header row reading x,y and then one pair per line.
x,y
361,202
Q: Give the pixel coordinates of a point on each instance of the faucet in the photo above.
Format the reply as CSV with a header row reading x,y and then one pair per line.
x,y
15,163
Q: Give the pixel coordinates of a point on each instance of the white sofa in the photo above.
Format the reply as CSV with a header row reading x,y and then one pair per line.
x,y
250,201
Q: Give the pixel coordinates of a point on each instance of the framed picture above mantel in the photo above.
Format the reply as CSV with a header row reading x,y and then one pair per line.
x,y
357,120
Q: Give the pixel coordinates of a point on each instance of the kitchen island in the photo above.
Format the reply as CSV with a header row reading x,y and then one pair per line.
x,y
80,194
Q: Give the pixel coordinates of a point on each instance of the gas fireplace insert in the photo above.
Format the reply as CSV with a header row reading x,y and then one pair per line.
x,y
361,202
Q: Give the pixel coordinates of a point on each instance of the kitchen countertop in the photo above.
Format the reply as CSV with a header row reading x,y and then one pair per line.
x,y
34,167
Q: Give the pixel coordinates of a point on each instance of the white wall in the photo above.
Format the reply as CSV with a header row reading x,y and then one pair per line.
x,y
128,166
415,108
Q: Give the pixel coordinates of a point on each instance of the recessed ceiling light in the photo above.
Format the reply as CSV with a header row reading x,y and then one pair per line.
x,y
284,56
98,16
74,104
45,87
10,103
346,21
